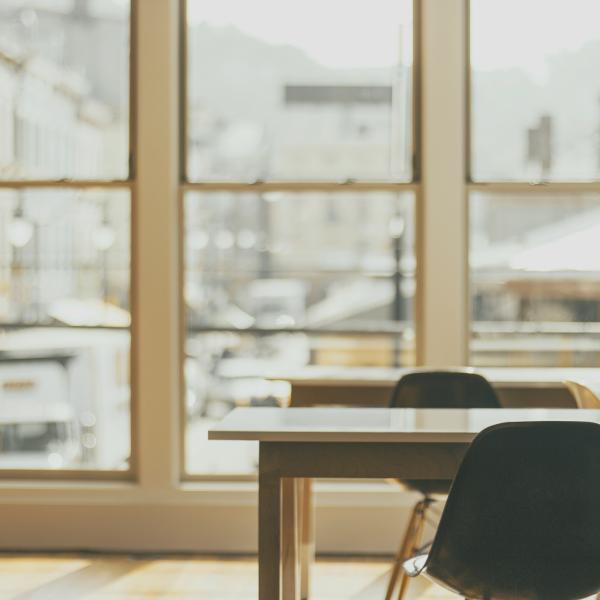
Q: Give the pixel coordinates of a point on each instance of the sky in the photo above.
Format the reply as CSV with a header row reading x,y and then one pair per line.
x,y
359,33
524,33
104,7
336,33
365,33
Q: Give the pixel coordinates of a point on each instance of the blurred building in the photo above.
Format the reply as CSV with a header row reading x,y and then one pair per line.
x,y
56,122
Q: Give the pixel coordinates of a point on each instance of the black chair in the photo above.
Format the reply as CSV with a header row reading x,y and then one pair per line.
x,y
432,389
522,520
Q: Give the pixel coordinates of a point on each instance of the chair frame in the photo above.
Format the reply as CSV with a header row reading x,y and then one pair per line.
x,y
418,565
413,534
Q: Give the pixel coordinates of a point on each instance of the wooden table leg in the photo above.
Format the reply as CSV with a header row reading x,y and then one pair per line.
x,y
269,530
289,539
307,537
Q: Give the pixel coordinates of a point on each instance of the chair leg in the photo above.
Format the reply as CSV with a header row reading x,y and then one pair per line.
x,y
402,551
415,542
410,541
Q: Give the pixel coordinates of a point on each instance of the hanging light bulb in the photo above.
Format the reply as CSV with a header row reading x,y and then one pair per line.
x,y
224,239
198,239
28,18
104,236
246,239
20,230
396,227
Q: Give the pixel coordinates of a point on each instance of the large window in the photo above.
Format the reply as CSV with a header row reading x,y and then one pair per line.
x,y
311,229
535,118
64,236
299,212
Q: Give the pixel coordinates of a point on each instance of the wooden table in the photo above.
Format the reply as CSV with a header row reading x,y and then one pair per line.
x,y
517,387
349,443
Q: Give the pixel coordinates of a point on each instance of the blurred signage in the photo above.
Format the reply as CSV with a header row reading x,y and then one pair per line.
x,y
338,94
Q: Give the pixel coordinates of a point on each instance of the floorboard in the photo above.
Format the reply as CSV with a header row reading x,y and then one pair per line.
x,y
116,577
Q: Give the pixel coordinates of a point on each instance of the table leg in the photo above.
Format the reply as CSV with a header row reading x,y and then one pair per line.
x,y
289,539
269,530
307,537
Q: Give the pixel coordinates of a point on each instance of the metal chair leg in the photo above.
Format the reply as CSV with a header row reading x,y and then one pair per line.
x,y
402,551
415,543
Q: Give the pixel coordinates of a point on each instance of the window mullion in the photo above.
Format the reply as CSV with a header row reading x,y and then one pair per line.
x,y
442,216
156,280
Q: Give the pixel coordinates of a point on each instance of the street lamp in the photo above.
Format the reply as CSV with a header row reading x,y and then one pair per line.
x,y
20,230
103,238
396,231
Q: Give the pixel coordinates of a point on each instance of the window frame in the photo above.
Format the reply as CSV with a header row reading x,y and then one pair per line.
x,y
537,190
219,513
302,184
290,186
127,184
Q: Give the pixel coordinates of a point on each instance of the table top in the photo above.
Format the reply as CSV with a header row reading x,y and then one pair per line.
x,y
382,376
378,424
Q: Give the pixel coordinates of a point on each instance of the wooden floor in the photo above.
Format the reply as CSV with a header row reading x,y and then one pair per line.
x,y
97,577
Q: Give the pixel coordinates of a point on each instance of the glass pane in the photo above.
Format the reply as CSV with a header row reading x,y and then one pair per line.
x,y
535,89
535,273
64,89
278,281
300,260
64,329
281,89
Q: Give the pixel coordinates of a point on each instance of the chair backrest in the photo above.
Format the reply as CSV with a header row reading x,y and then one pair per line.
x,y
523,516
584,396
443,389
